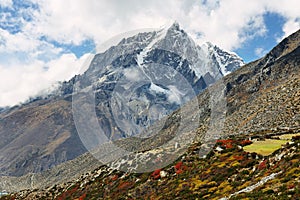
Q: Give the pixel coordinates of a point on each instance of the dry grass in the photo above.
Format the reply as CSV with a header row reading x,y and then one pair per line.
x,y
266,147
288,136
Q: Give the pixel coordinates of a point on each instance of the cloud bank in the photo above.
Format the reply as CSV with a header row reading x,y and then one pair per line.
x,y
35,34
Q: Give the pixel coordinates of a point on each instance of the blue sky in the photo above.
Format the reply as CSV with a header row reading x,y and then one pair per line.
x,y
86,46
43,42
258,46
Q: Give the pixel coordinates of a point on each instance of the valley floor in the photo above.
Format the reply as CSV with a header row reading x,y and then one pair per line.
x,y
228,172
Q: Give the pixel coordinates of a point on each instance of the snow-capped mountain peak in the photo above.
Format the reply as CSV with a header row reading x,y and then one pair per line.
x,y
205,58
164,68
228,61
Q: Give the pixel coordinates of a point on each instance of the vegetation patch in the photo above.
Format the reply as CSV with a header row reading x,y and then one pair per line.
x,y
265,147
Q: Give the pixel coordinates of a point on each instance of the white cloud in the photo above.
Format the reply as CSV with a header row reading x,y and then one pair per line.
x,y
220,21
17,42
18,82
260,51
290,26
227,23
6,3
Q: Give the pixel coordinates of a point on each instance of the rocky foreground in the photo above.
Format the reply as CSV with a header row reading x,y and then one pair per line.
x,y
226,172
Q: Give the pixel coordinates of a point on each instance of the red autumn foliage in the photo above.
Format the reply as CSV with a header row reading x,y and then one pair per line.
x,y
291,187
178,165
124,185
226,143
179,171
156,174
238,157
228,146
246,142
67,193
115,177
82,197
262,165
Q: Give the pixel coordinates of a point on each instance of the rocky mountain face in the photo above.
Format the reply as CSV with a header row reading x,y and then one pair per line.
x,y
162,69
262,97
265,94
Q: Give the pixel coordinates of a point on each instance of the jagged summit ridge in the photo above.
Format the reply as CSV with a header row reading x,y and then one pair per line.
x,y
203,59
